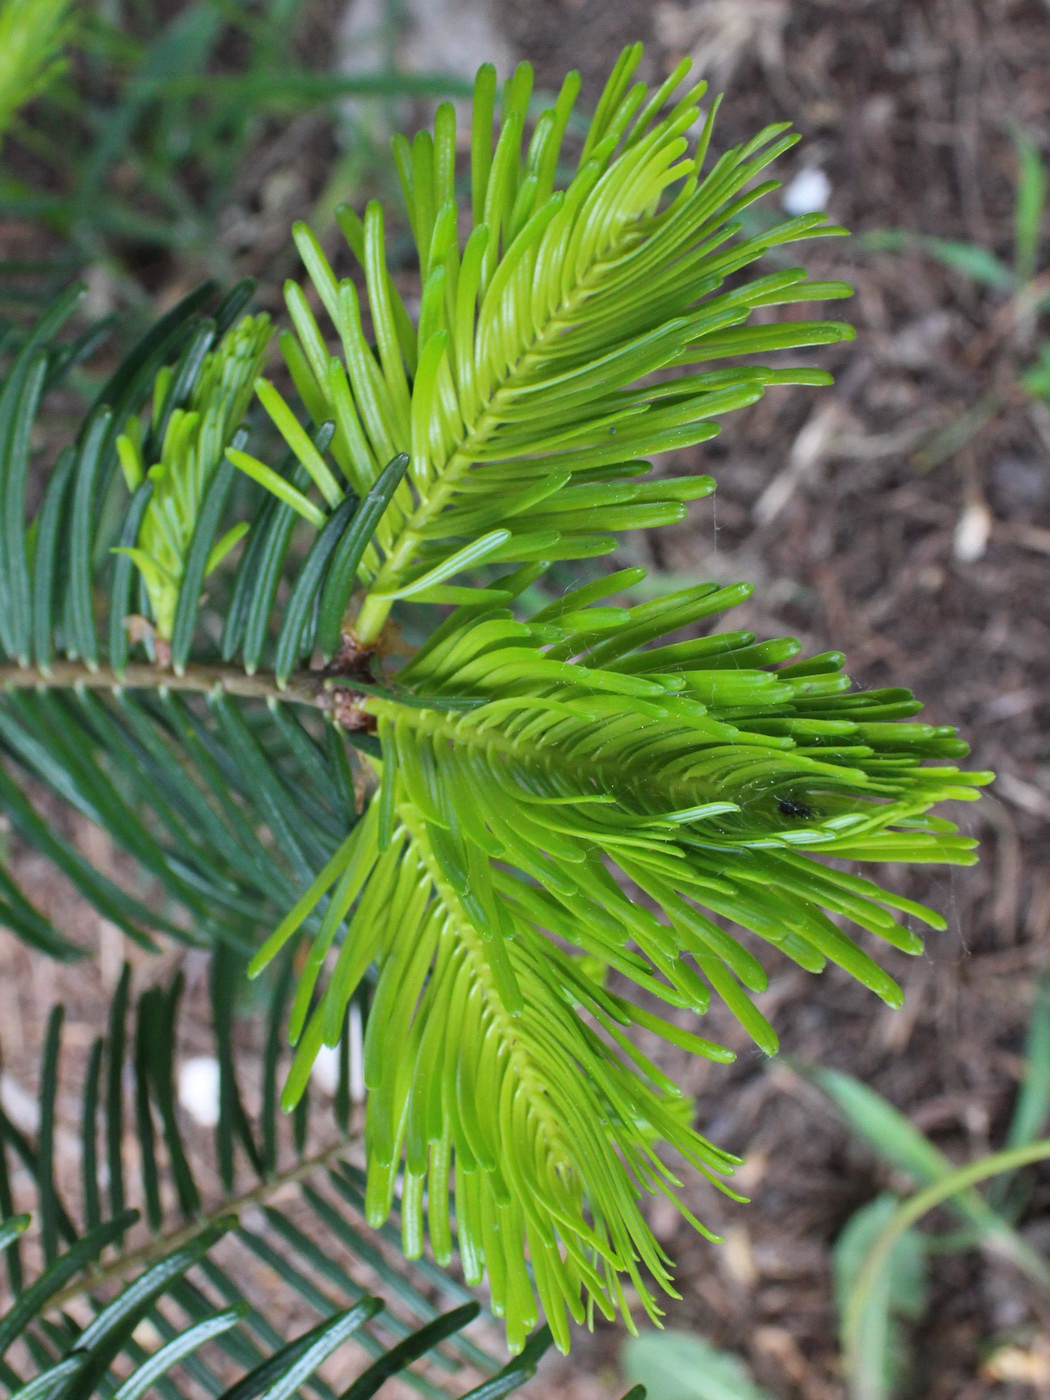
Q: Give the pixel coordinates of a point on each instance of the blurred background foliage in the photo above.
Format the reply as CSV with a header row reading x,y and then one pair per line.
x,y
163,145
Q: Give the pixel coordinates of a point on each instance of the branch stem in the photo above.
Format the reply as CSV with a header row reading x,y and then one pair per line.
x,y
163,1244
312,688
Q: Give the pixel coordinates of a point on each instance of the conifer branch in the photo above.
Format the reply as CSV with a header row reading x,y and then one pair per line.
x,y
130,1261
329,694
566,788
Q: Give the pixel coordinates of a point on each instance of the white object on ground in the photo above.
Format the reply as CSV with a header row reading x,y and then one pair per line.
x,y
198,1089
325,1072
807,193
971,532
437,36
19,1104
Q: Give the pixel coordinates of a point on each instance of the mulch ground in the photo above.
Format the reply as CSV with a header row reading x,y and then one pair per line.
x,y
844,506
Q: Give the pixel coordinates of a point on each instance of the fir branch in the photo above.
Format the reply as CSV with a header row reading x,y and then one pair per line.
x,y
130,1261
513,395
332,695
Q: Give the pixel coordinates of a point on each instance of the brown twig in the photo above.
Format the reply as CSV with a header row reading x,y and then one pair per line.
x,y
166,1243
320,691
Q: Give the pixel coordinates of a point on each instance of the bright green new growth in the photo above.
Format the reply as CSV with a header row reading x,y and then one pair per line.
x,y
194,440
517,394
32,33
700,774
526,763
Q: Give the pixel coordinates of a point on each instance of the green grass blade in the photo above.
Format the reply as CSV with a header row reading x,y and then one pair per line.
x,y
895,1140
968,259
958,1181
13,1229
1029,207
1033,1102
1032,1108
899,1295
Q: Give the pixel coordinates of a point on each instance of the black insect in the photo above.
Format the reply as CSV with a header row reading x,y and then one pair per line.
x,y
790,808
